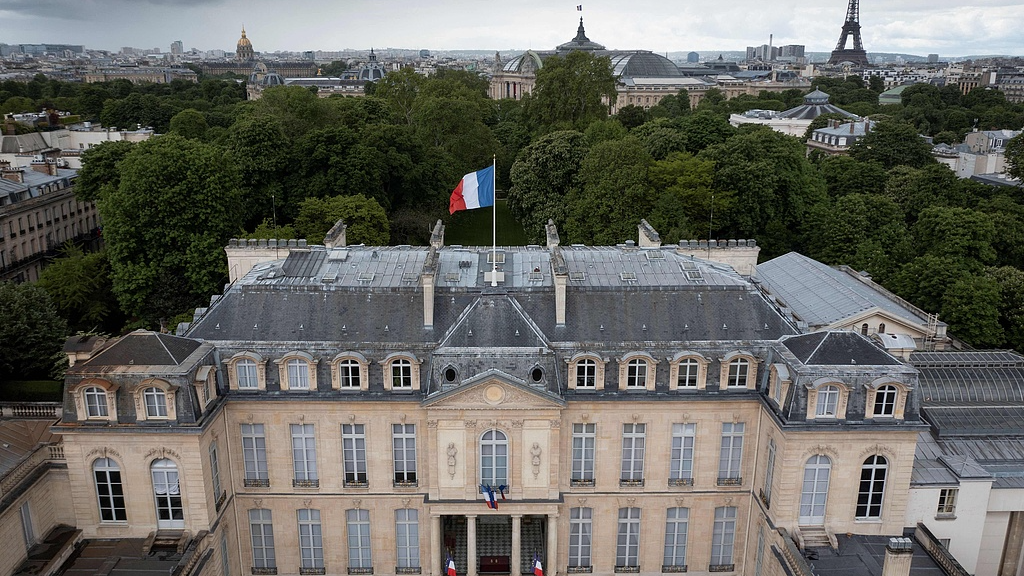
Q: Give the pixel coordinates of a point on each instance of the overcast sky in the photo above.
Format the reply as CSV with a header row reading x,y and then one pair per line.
x,y
946,27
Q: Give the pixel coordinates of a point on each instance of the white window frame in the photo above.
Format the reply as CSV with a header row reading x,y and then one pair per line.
x,y
261,532
871,489
155,400
581,532
350,374
584,446
407,538
769,474
494,458
111,504
739,372
730,462
688,377
684,438
215,472
403,450
360,554
401,374
353,448
586,374
827,402
947,503
677,522
297,374
627,544
254,455
311,538
246,374
637,373
95,402
304,456
723,536
634,444
886,397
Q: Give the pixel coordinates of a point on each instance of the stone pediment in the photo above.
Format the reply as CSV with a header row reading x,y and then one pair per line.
x,y
494,390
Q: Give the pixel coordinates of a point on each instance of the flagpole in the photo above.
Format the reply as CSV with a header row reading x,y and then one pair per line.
x,y
494,221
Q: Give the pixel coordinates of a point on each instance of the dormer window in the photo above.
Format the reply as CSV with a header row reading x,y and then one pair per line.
x,y
247,371
156,402
95,402
636,374
826,399
586,372
349,371
298,375
348,374
688,371
297,371
95,399
401,372
886,399
739,371
401,375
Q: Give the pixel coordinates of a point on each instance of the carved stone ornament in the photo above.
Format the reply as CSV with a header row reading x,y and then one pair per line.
x,y
582,501
357,504
103,452
405,502
680,502
431,423
257,502
517,423
452,451
469,423
160,453
556,423
249,417
307,503
535,452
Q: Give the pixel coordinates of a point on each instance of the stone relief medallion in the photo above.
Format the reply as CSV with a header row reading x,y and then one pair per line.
x,y
494,395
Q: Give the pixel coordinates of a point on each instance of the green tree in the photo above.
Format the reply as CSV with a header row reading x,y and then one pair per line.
x,y
601,130
971,308
683,201
844,175
662,137
267,231
79,285
1011,307
542,177
400,89
893,144
1015,157
32,333
189,123
165,226
613,193
366,221
672,106
100,173
631,116
572,91
956,233
703,129
865,231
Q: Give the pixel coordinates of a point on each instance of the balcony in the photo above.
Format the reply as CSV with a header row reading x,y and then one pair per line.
x,y
673,569
306,483
256,570
722,568
627,483
579,569
257,483
581,482
627,569
312,571
408,570
735,481
676,482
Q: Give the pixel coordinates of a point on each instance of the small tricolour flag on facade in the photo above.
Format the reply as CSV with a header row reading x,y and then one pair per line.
x,y
449,567
538,568
489,497
476,190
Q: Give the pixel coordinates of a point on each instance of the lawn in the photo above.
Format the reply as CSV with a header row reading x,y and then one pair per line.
x,y
31,391
473,228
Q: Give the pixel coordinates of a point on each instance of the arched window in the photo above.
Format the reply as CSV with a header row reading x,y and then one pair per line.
x,y
885,400
828,402
401,375
494,458
881,328
815,490
864,329
245,372
348,371
109,491
689,369
156,402
872,487
95,402
166,490
298,374
738,370
586,372
636,374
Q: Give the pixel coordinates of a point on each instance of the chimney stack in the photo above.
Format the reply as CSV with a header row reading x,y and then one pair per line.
x,y
427,283
552,234
437,236
559,272
335,237
13,174
898,554
649,237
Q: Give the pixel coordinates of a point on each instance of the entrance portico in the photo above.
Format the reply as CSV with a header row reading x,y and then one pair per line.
x,y
483,541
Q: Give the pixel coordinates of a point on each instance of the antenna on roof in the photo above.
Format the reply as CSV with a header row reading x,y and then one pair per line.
x,y
711,223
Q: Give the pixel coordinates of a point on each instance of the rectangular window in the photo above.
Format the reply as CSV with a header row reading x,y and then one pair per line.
x,y
403,440
304,456
633,440
27,530
688,371
759,559
769,474
828,401
109,490
245,370
349,370
95,402
681,466
731,457
947,501
401,375
358,538
311,541
225,560
261,527
353,442
738,369
675,539
722,538
254,455
298,375
584,439
586,374
215,472
407,537
636,374
580,529
627,548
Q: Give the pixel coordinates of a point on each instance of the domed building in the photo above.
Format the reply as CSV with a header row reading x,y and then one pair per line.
x,y
644,76
372,71
243,50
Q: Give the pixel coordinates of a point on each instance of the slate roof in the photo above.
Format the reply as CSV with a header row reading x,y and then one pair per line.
x,y
861,555
821,295
145,348
815,104
19,438
837,348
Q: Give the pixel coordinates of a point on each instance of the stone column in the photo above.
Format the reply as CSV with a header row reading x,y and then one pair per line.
x,y
471,557
1012,545
550,565
436,555
517,546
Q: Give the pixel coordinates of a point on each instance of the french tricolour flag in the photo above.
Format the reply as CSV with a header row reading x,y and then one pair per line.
x,y
489,497
450,566
476,190
538,568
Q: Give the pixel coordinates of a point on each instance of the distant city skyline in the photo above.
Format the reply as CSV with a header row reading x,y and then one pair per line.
x,y
946,27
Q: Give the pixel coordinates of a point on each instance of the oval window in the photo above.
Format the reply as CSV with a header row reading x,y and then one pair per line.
x,y
449,375
537,374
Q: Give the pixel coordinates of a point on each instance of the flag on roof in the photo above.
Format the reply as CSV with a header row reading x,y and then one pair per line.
x,y
476,190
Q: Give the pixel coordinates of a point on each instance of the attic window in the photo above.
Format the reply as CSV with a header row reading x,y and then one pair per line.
x,y
465,264
452,277
695,276
688,266
330,277
409,277
655,255
627,276
577,276
536,276
365,277
496,256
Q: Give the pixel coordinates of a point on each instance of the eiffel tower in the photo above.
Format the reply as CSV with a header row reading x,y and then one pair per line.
x,y
851,27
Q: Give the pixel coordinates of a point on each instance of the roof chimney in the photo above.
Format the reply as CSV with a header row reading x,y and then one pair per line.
x,y
649,237
552,234
898,554
13,174
336,235
437,236
427,283
560,274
